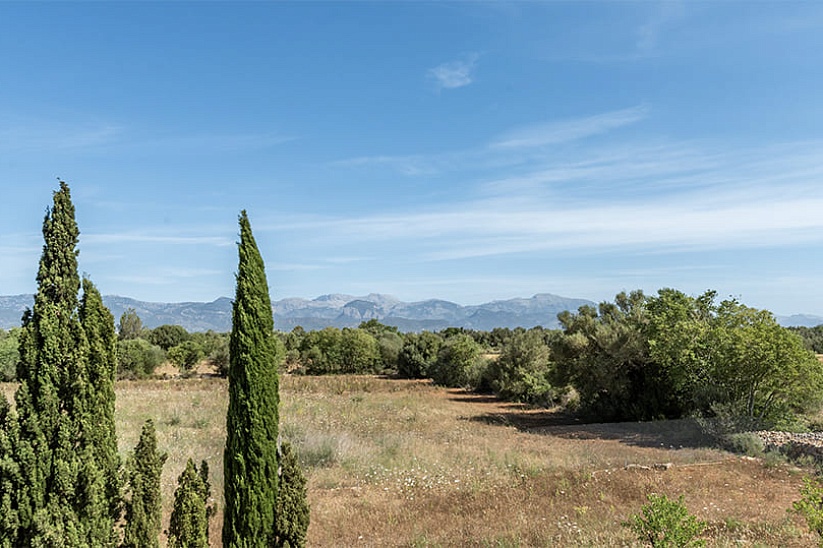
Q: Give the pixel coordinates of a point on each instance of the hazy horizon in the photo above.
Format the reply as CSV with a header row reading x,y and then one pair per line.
x,y
464,151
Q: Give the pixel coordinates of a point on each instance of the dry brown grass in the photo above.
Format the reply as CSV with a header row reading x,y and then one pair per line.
x,y
403,463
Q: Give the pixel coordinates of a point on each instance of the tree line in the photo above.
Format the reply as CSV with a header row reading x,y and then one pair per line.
x,y
640,357
62,481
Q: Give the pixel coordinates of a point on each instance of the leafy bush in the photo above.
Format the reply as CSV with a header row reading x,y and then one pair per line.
x,y
138,358
521,373
810,506
185,355
745,443
672,355
418,355
331,351
320,351
459,363
220,359
666,523
9,354
168,336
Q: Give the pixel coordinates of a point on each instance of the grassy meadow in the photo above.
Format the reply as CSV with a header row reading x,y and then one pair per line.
x,y
405,463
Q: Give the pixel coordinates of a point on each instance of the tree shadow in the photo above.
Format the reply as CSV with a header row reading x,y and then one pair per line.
x,y
674,434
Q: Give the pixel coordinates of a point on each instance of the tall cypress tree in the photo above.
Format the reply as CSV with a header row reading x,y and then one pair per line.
x,y
250,457
52,468
59,499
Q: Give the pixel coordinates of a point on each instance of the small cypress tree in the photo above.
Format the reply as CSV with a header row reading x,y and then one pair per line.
x,y
143,506
250,456
189,523
211,508
292,507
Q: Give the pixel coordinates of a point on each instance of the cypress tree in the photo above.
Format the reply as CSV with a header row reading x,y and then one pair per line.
x,y
9,475
59,496
189,523
98,325
143,511
292,507
211,508
250,456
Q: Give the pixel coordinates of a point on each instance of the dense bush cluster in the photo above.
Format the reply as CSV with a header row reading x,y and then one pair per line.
x,y
638,358
672,355
812,337
141,350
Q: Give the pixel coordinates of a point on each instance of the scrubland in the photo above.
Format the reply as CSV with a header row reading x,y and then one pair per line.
x,y
404,463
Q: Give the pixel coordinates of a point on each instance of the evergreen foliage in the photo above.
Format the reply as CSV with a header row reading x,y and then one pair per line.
x,y
9,354
189,524
138,358
9,475
418,355
672,355
667,523
143,505
250,457
98,324
131,326
810,506
58,458
522,371
292,507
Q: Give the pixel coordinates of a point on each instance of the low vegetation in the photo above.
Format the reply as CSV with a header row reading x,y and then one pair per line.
x,y
407,463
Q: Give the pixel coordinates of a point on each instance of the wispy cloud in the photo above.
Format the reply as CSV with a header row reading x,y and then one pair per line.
x,y
507,150
643,199
33,139
570,130
152,238
20,134
216,142
454,74
168,276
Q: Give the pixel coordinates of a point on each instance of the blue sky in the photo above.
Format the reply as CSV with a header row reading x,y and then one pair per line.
x,y
464,151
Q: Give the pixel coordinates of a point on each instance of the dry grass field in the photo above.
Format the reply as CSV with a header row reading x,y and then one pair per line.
x,y
403,463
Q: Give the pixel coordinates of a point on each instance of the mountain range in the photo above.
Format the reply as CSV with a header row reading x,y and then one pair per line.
x,y
338,310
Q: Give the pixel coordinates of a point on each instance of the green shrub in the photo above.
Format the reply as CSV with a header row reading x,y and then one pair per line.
x,y
521,373
219,358
185,355
418,355
459,363
666,523
138,358
810,506
168,336
9,354
745,443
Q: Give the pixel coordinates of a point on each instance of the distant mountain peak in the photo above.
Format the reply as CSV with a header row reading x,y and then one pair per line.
x,y
340,310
